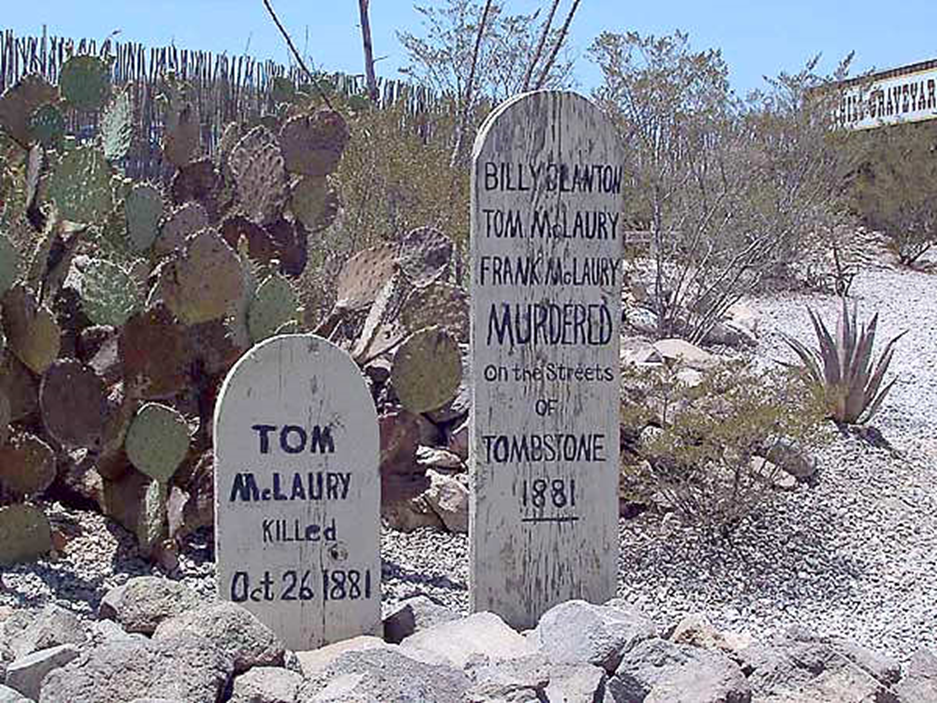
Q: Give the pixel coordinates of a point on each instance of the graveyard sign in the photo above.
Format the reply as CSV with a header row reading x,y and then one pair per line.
x,y
547,201
297,492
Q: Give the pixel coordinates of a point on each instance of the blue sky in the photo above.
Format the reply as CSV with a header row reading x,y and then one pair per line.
x,y
756,38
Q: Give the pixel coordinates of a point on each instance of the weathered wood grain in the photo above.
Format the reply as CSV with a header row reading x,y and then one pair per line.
x,y
547,201
297,492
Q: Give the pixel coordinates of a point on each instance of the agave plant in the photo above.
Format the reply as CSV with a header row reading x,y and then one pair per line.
x,y
843,366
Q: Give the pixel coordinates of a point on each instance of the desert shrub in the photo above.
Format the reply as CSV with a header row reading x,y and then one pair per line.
x,y
703,451
732,191
894,190
841,369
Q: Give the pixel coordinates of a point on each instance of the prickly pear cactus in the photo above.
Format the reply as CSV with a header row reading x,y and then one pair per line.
x,y
27,465
143,208
18,103
382,329
80,186
109,296
33,334
116,128
181,124
155,353
440,304
182,223
314,203
260,176
152,525
427,370
6,415
47,126
25,534
274,305
157,441
205,282
364,275
85,82
312,145
73,399
19,385
260,247
199,182
425,255
9,264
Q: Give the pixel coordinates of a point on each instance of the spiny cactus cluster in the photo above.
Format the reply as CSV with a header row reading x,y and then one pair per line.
x,y
123,304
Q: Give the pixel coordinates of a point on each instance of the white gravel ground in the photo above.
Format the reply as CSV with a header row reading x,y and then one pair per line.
x,y
855,555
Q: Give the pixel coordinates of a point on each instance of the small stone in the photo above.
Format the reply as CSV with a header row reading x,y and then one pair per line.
x,y
476,638
231,628
29,632
25,674
577,632
570,683
412,615
449,499
146,601
266,684
315,661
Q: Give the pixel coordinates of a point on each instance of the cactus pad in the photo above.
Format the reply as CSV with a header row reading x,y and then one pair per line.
x,y
201,183
182,223
440,304
260,248
9,264
273,306
73,400
181,124
85,82
109,296
47,126
80,186
282,90
27,465
155,353
33,334
312,145
314,203
19,386
427,370
157,441
151,527
262,184
205,282
6,415
292,246
25,534
116,127
382,329
214,346
143,209
19,102
425,254
364,275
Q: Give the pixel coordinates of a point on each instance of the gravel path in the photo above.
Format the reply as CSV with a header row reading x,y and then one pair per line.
x,y
855,555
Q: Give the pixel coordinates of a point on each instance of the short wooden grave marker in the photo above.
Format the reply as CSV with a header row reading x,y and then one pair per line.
x,y
297,492
547,203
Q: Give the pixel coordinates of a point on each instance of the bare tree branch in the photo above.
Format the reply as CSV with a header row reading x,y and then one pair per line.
x,y
299,59
459,147
368,51
559,43
540,44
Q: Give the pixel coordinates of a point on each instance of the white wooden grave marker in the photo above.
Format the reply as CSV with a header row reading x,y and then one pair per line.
x,y
297,492
547,202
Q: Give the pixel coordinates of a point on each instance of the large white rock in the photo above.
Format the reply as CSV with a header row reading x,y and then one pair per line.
x,y
297,492
479,638
547,196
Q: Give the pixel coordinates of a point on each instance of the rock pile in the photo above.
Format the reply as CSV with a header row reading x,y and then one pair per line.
x,y
156,641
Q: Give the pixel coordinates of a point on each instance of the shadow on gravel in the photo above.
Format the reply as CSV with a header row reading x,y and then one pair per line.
x,y
394,570
871,436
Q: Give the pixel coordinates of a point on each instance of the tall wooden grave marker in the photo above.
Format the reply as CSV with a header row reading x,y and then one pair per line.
x,y
297,492
547,201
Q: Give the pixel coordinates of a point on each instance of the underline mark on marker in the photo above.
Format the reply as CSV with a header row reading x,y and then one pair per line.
x,y
548,518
